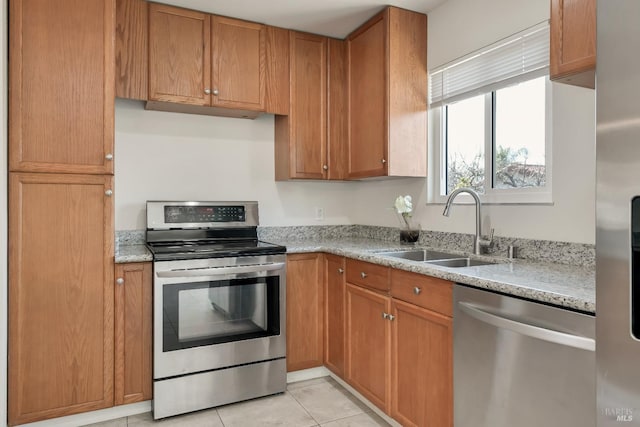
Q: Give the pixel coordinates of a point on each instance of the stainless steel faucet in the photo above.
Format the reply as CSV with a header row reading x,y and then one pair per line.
x,y
479,241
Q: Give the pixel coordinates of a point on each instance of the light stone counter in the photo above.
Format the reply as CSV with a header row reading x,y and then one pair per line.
x,y
132,253
557,284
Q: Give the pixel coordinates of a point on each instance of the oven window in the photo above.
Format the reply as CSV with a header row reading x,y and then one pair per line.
x,y
205,313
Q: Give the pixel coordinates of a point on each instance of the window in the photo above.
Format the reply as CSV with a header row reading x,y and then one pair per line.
x,y
490,112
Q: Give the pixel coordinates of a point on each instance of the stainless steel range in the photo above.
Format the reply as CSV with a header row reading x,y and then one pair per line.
x,y
219,306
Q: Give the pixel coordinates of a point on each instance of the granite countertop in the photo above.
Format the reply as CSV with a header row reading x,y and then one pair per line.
x,y
132,253
558,284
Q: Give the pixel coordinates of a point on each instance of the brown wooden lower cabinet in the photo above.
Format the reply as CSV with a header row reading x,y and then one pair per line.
x,y
400,355
133,332
305,311
60,295
368,342
334,314
421,367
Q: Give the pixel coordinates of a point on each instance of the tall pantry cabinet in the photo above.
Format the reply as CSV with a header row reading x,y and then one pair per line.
x,y
61,112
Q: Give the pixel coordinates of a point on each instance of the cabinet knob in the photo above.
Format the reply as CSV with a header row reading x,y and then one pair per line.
x,y
120,281
341,270
215,92
391,317
325,167
385,315
207,91
363,274
109,193
383,161
417,290
109,156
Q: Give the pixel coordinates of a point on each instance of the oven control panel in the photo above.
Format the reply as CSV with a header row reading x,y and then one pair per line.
x,y
175,215
203,213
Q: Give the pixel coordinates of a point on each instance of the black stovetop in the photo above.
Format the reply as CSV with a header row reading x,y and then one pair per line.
x,y
177,250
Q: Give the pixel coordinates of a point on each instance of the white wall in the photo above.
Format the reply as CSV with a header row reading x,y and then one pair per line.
x,y
171,156
3,212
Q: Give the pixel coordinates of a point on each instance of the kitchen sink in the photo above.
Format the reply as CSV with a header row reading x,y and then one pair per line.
x,y
419,255
460,262
442,259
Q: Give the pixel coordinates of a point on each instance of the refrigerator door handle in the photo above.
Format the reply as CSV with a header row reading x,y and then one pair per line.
x,y
527,329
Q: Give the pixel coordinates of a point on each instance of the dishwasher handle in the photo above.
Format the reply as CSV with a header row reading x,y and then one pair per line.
x,y
220,271
538,332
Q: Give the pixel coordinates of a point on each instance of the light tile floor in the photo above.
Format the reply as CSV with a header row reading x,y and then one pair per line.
x,y
317,402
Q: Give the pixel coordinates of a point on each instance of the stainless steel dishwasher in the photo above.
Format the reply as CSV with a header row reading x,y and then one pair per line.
x,y
521,363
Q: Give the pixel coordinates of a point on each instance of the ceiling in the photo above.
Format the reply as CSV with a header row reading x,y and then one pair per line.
x,y
334,18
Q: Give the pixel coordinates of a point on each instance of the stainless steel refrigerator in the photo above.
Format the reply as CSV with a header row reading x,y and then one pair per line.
x,y
618,213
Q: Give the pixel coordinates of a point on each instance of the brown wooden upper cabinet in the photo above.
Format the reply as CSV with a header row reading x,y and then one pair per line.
x,y
310,142
573,42
61,90
238,64
204,60
179,55
388,96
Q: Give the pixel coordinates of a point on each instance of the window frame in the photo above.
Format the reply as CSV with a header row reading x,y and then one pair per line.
x,y
437,180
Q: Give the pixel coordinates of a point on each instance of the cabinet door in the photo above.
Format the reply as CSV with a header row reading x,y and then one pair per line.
x,y
422,361
132,49
238,64
308,114
337,110
61,86
305,311
179,55
60,295
133,319
368,116
334,318
573,40
368,340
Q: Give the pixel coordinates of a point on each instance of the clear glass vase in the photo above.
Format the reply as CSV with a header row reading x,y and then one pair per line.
x,y
409,232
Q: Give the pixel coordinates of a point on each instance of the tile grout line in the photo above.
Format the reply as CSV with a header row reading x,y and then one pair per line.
x,y
342,389
303,407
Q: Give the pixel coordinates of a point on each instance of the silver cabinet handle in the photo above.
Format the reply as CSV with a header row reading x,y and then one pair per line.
x,y
385,315
533,331
221,271
109,193
120,281
340,270
363,274
109,156
391,317
417,290
215,92
207,91
383,161
325,167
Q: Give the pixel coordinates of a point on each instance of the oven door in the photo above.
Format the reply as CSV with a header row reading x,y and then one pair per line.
x,y
216,313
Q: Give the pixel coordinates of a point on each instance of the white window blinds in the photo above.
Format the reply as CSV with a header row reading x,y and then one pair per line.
x,y
520,57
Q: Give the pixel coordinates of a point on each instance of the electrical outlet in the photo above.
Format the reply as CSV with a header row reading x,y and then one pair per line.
x,y
319,214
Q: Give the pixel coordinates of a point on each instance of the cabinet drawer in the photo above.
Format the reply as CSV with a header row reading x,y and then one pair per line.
x,y
428,292
367,274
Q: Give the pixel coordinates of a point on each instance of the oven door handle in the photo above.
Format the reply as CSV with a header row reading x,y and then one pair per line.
x,y
221,271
